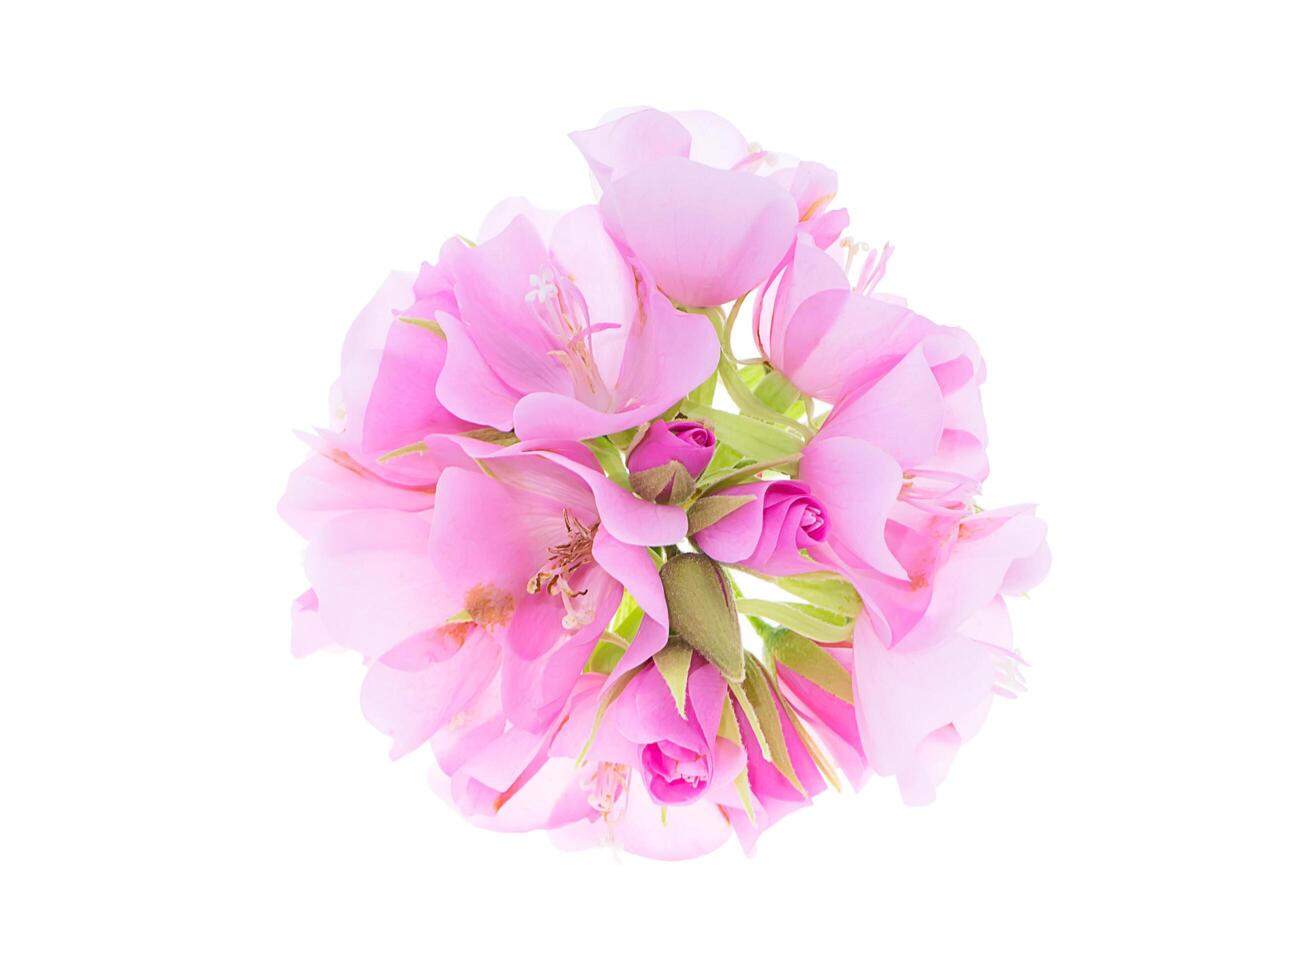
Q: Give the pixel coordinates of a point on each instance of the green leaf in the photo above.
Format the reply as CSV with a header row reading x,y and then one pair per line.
x,y
776,392
624,624
752,438
706,511
705,392
702,611
813,662
742,474
610,459
749,403
827,590
797,617
758,704
723,459
672,662
752,374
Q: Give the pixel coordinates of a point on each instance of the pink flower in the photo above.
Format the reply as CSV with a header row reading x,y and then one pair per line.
x,y
771,531
561,339
534,544
531,620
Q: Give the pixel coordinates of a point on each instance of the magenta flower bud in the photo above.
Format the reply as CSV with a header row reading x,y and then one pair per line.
x,y
764,525
666,462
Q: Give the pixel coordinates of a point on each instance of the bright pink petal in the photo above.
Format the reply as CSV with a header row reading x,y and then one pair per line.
x,y
633,567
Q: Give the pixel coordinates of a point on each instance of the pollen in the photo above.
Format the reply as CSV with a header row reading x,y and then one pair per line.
x,y
489,605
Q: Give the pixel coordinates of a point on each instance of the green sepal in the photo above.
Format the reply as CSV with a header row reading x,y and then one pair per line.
x,y
729,724
812,661
651,484
817,754
408,450
672,662
489,434
706,511
700,601
799,618
758,703
745,795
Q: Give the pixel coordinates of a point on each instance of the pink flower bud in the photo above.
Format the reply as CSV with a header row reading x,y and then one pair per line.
x,y
684,441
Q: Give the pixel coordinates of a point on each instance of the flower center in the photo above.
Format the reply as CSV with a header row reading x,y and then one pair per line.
x,y
606,785
560,307
564,561
873,266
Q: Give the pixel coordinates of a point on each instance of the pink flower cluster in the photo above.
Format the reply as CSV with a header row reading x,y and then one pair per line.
x,y
552,493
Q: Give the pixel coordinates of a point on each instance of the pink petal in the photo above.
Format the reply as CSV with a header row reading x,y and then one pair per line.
x,y
901,697
858,484
900,411
633,567
664,359
708,236
374,581
630,141
416,688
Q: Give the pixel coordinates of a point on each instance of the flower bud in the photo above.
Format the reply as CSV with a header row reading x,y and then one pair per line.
x,y
700,601
667,460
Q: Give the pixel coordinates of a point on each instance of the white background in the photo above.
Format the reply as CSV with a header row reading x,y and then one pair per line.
x,y
196,202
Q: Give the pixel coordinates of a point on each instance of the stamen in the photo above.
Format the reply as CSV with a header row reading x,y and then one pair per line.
x,y
560,308
606,787
564,560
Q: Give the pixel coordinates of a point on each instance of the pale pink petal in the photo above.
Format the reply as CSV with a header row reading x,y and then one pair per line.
x,y
715,140
307,634
416,688
630,141
508,210
491,282
374,581
708,236
468,386
857,483
901,697
664,359
900,411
